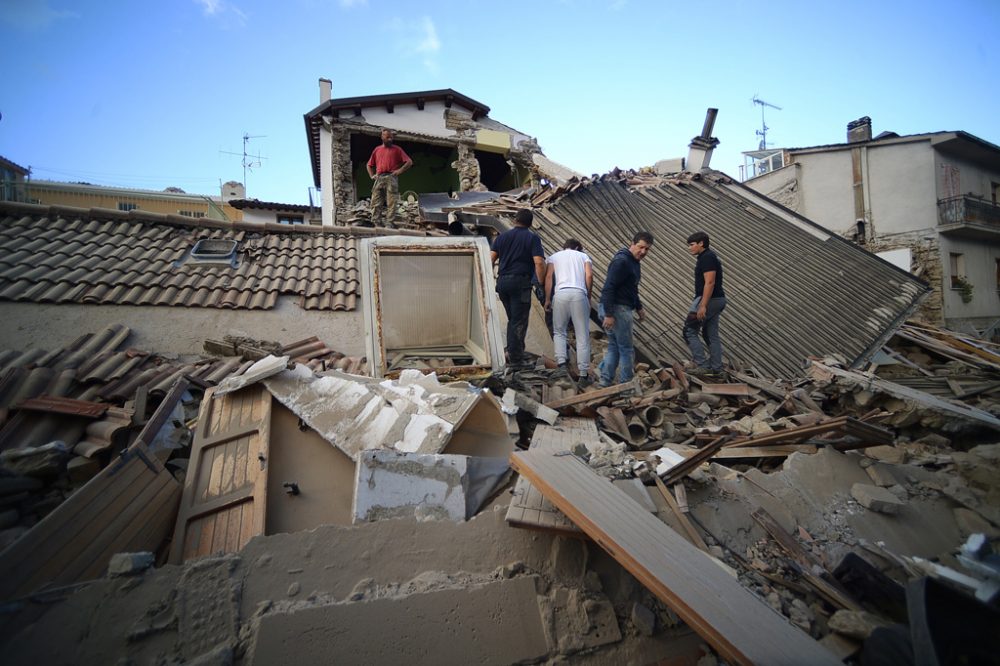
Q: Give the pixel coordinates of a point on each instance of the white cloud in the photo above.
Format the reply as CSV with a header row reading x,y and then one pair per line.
x,y
31,14
618,5
229,13
426,43
347,4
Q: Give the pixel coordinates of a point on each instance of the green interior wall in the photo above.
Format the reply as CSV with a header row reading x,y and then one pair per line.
x,y
431,170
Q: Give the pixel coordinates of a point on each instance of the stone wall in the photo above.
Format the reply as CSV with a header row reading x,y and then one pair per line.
x,y
925,263
343,176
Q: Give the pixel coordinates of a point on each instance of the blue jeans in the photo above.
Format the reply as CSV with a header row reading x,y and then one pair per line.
x,y
515,294
572,304
620,350
709,330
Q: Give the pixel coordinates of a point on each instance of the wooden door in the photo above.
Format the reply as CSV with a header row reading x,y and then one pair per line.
x,y
224,500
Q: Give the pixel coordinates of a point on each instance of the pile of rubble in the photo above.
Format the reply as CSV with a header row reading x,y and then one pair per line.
x,y
826,498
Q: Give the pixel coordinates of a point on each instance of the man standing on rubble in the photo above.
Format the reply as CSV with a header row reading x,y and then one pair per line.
x,y
519,251
385,165
706,309
569,273
620,306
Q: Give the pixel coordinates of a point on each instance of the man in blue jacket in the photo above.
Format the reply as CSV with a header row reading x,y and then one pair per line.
x,y
620,306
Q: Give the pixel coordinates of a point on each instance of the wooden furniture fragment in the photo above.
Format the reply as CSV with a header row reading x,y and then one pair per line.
x,y
129,506
741,627
224,501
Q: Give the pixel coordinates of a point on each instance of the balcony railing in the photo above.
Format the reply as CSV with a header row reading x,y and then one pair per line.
x,y
968,210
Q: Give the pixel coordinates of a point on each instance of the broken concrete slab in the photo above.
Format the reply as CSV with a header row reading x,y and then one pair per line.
x,y
496,623
533,407
391,484
876,498
414,414
266,367
129,564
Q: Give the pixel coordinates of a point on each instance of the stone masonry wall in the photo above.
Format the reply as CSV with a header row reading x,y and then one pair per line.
x,y
925,263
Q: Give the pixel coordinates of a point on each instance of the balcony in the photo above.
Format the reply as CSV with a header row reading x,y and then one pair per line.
x,y
969,217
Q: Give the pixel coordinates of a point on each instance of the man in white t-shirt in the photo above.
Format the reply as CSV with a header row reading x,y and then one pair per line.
x,y
568,280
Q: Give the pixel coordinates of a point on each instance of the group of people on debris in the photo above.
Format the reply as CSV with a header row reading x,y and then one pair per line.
x,y
566,278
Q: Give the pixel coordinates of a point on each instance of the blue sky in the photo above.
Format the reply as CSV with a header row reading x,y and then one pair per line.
x,y
155,94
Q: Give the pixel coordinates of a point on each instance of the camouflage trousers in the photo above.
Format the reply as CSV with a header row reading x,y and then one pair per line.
x,y
385,192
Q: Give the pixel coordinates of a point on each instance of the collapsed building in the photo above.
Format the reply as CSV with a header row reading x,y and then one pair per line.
x,y
357,503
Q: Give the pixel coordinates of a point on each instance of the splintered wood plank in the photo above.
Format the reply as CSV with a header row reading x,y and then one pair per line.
x,y
529,508
111,513
740,626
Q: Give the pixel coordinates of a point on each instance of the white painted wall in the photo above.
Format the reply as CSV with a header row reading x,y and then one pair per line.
x,y
407,118
826,189
902,185
980,268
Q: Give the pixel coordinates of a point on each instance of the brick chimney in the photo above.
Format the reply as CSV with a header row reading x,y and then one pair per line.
x,y
859,130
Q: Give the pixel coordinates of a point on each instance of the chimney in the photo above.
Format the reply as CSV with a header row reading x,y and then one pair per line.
x,y
701,147
325,90
859,130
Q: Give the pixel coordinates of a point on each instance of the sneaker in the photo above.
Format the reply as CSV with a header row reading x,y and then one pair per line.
x,y
561,371
584,382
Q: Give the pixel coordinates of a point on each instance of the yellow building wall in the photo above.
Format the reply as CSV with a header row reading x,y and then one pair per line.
x,y
193,207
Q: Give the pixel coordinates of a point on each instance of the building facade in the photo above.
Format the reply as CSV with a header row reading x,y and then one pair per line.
x,y
454,144
928,202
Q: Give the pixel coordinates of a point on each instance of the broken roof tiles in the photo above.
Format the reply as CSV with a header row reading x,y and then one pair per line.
x,y
52,254
795,290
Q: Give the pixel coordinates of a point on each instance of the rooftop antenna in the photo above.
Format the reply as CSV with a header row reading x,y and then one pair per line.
x,y
762,132
249,161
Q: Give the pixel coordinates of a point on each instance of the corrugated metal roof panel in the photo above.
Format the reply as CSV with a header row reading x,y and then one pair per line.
x,y
794,289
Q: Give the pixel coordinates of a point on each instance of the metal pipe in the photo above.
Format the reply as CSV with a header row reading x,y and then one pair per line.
x,y
706,131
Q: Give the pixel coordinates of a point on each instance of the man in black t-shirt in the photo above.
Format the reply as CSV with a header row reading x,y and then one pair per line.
x,y
706,308
519,252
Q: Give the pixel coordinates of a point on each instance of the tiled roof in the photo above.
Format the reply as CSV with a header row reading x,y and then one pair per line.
x,y
95,368
52,254
794,289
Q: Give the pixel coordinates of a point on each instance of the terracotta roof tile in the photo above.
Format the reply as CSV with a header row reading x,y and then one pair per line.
x,y
60,254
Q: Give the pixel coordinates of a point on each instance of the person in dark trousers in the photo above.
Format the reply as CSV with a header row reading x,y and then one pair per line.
x,y
384,166
706,309
620,306
519,253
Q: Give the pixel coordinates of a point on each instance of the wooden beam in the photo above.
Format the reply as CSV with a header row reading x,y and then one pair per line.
x,y
737,624
692,533
590,396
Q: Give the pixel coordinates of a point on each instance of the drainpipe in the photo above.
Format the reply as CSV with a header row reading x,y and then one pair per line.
x,y
860,131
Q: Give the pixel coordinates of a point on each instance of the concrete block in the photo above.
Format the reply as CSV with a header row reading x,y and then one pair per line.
x,y
970,522
391,484
128,564
875,498
498,623
643,619
881,475
855,624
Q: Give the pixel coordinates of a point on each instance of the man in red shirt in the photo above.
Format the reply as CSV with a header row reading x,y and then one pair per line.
x,y
384,166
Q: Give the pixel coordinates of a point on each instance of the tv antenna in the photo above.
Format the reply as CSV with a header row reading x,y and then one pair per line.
x,y
249,161
762,132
